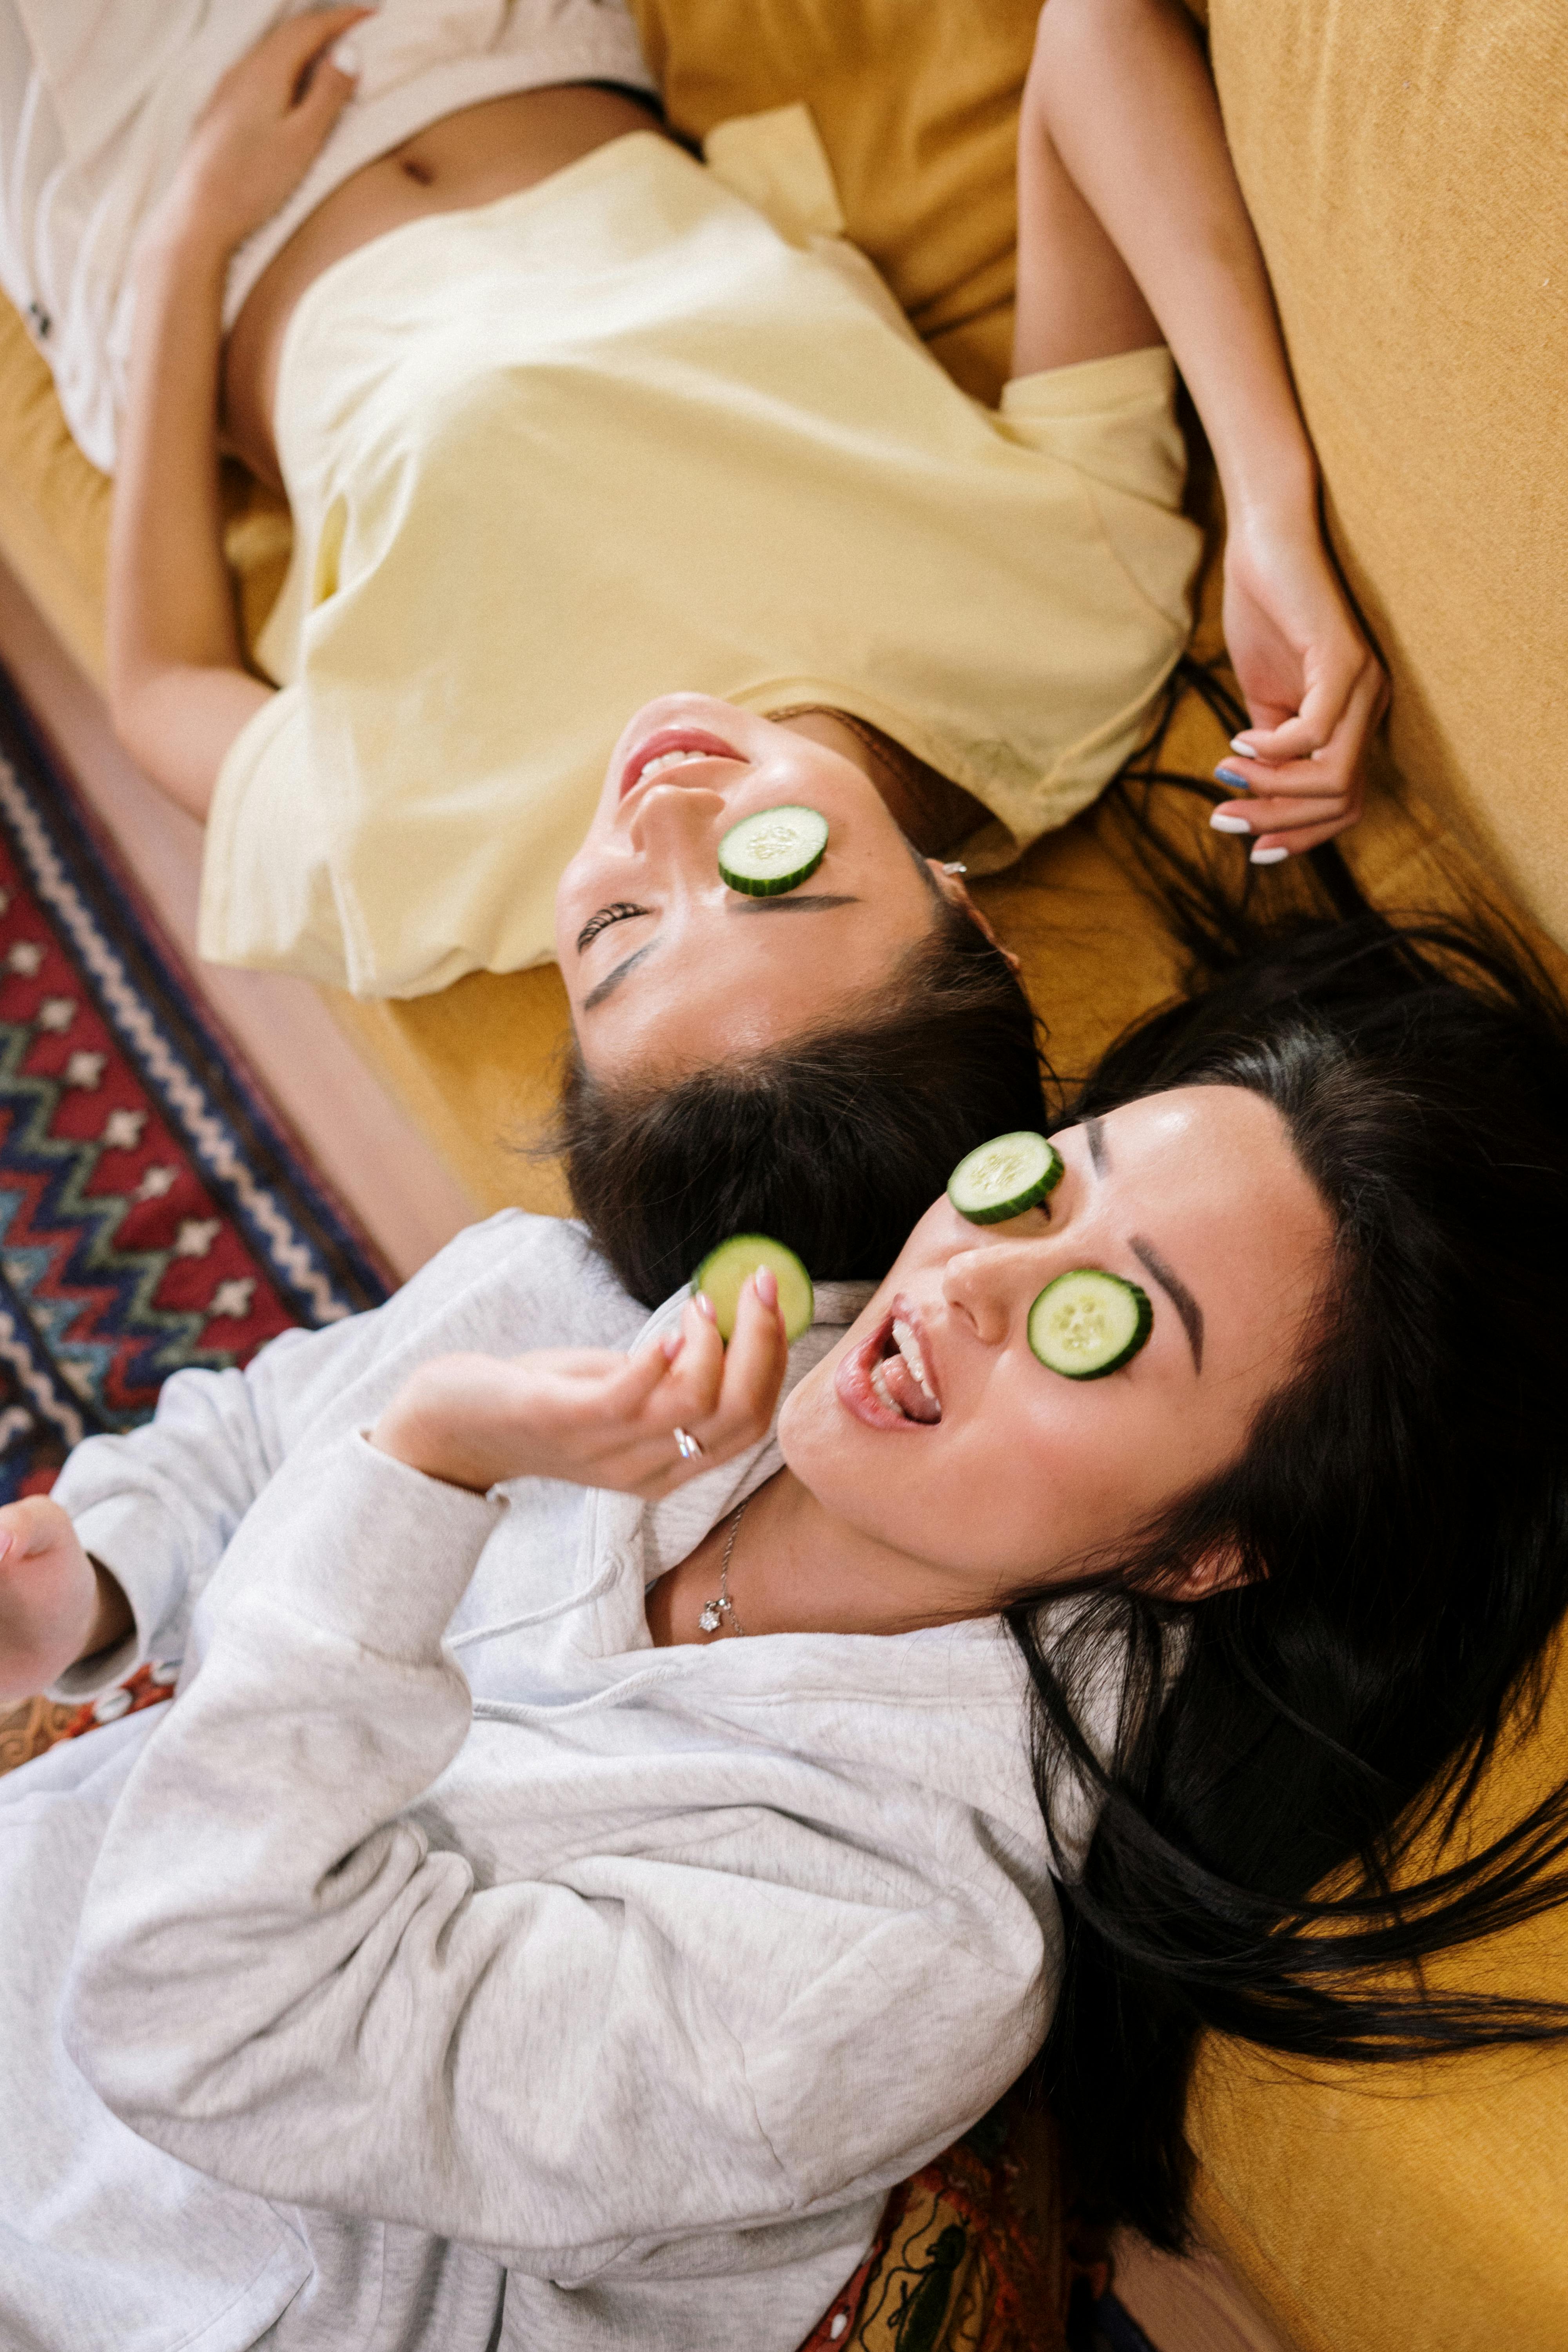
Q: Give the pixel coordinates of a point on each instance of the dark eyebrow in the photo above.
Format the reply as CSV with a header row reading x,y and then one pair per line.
x,y
1094,1136
807,902
596,995
1176,1290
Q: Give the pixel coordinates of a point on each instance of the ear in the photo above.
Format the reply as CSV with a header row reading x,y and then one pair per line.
x,y
1223,1570
955,891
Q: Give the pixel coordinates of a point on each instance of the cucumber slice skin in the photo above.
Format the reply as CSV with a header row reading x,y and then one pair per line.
x,y
1137,1318
1029,1150
753,884
725,1268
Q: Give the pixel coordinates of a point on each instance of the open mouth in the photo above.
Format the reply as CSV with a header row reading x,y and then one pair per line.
x,y
886,1381
672,747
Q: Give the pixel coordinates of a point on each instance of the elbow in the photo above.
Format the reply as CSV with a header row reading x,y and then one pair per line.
x,y
134,2052
161,715
127,696
100,2044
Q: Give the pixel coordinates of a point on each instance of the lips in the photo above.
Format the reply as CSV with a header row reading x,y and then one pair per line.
x,y
886,1381
671,747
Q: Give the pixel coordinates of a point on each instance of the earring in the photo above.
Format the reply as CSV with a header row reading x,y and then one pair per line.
x,y
956,867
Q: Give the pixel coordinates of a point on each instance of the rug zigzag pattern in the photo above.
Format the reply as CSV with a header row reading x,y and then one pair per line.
x,y
297,1262
153,1212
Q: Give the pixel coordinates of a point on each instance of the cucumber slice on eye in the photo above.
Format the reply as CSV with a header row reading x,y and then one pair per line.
x,y
1087,1323
723,1272
1005,1176
772,851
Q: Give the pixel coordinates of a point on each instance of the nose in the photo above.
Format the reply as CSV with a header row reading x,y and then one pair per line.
x,y
674,817
986,1285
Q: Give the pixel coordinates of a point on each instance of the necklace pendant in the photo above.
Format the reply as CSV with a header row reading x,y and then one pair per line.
x,y
711,1621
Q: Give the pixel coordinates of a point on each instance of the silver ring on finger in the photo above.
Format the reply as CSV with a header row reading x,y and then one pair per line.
x,y
689,1448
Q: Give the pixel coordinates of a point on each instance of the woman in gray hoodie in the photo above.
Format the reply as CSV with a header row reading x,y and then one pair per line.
x,y
514,1930
589,1779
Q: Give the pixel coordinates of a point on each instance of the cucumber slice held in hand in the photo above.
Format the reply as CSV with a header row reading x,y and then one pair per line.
x,y
1087,1323
1005,1176
772,850
724,1271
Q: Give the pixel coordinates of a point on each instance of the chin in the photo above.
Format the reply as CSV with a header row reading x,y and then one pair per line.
x,y
825,1447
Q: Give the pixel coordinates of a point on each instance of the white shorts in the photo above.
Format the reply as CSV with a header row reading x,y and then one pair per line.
x,y
97,99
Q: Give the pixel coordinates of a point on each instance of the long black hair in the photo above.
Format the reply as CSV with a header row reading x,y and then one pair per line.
x,y
1276,1851
835,1142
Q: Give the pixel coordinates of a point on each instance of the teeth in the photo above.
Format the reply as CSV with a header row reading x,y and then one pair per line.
x,y
668,759
879,1389
909,1347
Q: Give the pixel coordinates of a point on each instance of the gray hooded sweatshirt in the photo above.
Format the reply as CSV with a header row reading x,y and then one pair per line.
x,y
447,1969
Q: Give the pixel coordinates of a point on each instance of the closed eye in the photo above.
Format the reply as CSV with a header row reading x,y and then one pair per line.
x,y
622,911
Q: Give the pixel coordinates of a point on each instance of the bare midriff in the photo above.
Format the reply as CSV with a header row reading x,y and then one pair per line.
x,y
466,158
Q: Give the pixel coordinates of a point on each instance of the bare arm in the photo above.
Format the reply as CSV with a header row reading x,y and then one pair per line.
x,y
178,688
1132,229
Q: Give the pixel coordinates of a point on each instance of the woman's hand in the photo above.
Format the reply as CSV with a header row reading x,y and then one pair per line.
x,y
592,1416
56,1604
261,131
1312,684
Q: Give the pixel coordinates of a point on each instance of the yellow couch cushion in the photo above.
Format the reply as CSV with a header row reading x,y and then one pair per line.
x,y
917,107
1371,2209
1404,165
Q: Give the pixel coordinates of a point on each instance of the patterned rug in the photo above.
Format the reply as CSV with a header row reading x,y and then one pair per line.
x,y
155,1210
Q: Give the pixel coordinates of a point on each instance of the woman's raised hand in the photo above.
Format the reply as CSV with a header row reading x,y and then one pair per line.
x,y
262,130
56,1604
1313,687
592,1416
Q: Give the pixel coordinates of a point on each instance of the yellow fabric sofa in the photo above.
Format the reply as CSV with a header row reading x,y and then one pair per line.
x,y
1402,163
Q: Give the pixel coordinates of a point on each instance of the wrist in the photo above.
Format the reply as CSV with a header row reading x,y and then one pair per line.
x,y
409,1437
184,240
112,1620
1277,494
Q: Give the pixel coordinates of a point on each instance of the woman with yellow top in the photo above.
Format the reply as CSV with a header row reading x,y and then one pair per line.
x,y
565,421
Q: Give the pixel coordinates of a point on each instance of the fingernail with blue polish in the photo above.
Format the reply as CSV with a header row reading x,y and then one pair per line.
x,y
1269,856
1229,776
1224,824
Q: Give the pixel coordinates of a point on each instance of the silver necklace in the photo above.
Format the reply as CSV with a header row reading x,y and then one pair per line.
x,y
722,1607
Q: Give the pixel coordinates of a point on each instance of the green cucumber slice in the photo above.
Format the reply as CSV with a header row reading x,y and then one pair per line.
x,y
724,1270
1005,1176
772,850
1087,1323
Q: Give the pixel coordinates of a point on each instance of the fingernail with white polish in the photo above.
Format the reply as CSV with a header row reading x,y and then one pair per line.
x,y
1248,750
1224,824
347,56
1269,856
